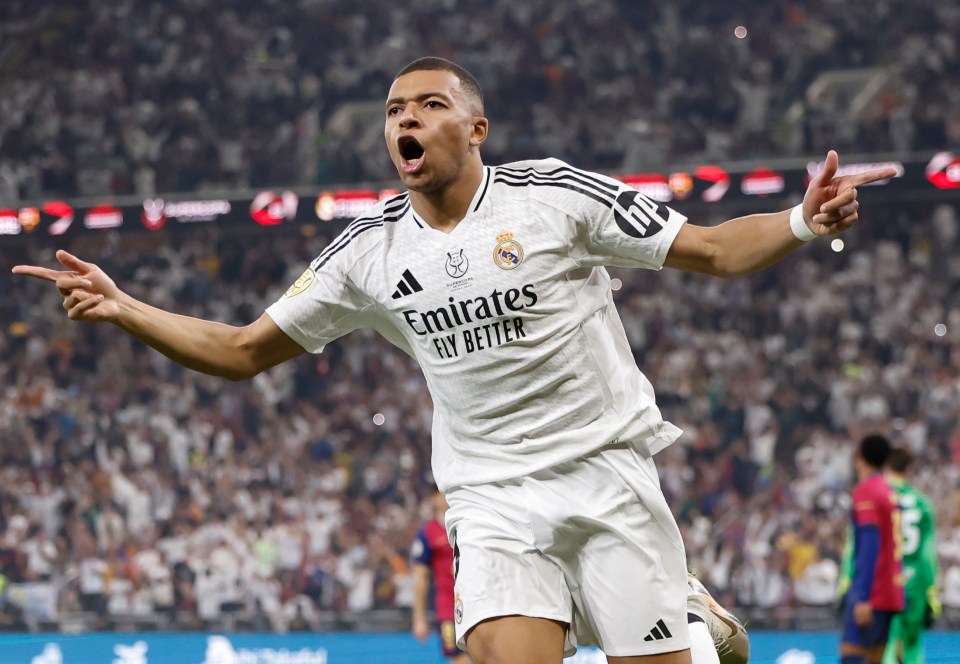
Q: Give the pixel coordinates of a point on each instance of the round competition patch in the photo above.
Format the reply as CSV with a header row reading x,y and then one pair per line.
x,y
301,284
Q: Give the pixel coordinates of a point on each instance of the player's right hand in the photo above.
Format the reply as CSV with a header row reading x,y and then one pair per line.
x,y
934,608
421,629
862,613
88,293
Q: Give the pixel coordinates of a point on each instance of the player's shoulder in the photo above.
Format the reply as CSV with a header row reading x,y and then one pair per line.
x,y
389,210
554,183
925,501
550,168
434,528
863,491
366,232
534,165
873,486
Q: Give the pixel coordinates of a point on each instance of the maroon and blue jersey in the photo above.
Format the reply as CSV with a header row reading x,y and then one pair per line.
x,y
431,548
875,505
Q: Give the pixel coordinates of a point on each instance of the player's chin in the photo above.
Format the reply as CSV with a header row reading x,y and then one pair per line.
x,y
419,182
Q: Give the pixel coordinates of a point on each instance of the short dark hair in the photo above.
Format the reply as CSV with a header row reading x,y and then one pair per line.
x,y
900,460
875,449
471,86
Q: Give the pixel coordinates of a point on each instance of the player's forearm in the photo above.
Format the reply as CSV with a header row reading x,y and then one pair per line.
x,y
751,243
865,563
421,584
201,345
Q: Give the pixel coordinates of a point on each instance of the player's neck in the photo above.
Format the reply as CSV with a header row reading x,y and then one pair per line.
x,y
444,209
866,472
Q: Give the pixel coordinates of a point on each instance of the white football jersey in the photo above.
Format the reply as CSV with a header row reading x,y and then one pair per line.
x,y
510,316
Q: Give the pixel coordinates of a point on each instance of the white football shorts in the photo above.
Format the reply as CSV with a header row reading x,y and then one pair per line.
x,y
590,542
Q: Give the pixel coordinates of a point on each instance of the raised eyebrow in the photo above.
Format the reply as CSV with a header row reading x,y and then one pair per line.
x,y
420,97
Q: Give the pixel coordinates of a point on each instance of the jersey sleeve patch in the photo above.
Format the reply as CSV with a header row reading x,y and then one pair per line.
x,y
302,283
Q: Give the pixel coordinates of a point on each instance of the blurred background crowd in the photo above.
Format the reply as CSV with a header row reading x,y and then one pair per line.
x,y
135,492
141,491
142,97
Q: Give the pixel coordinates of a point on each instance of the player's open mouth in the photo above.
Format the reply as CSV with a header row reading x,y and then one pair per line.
x,y
411,154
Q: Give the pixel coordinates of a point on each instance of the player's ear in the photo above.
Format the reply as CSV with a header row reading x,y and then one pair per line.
x,y
478,130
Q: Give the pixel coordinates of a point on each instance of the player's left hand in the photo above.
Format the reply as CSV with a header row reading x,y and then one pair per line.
x,y
421,629
862,613
830,204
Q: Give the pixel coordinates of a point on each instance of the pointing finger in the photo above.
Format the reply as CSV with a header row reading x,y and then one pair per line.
x,y
36,271
869,176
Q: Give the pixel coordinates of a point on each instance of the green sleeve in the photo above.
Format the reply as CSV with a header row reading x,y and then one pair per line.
x,y
928,567
846,564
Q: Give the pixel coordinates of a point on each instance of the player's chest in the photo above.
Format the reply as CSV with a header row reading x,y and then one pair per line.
x,y
483,269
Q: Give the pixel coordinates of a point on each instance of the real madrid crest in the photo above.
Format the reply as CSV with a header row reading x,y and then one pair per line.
x,y
458,609
508,253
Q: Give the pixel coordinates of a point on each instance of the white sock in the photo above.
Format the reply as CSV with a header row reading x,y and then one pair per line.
x,y
702,650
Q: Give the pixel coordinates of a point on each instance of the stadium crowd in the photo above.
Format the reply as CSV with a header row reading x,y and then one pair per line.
x,y
138,97
134,488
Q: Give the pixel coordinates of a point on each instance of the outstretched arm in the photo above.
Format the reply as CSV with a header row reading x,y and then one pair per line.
x,y
214,348
747,244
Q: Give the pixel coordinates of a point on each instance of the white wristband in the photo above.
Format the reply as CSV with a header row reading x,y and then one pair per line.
x,y
799,226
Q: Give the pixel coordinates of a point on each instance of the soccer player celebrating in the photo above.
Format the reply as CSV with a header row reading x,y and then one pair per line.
x,y
917,524
433,559
545,429
875,592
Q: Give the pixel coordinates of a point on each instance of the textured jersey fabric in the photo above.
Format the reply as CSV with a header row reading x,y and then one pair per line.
x,y
510,315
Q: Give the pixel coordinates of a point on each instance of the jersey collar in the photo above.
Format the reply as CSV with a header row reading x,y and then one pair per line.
x,y
478,197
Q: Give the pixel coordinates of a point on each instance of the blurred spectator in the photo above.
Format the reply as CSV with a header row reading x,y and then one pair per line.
x,y
261,503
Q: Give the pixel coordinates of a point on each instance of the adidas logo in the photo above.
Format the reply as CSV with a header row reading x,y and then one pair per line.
x,y
407,285
659,632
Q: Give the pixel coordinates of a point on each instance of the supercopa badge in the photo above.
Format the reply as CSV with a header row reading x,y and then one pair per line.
x,y
508,253
301,284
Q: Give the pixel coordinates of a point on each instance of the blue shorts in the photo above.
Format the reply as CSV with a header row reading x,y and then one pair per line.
x,y
871,635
